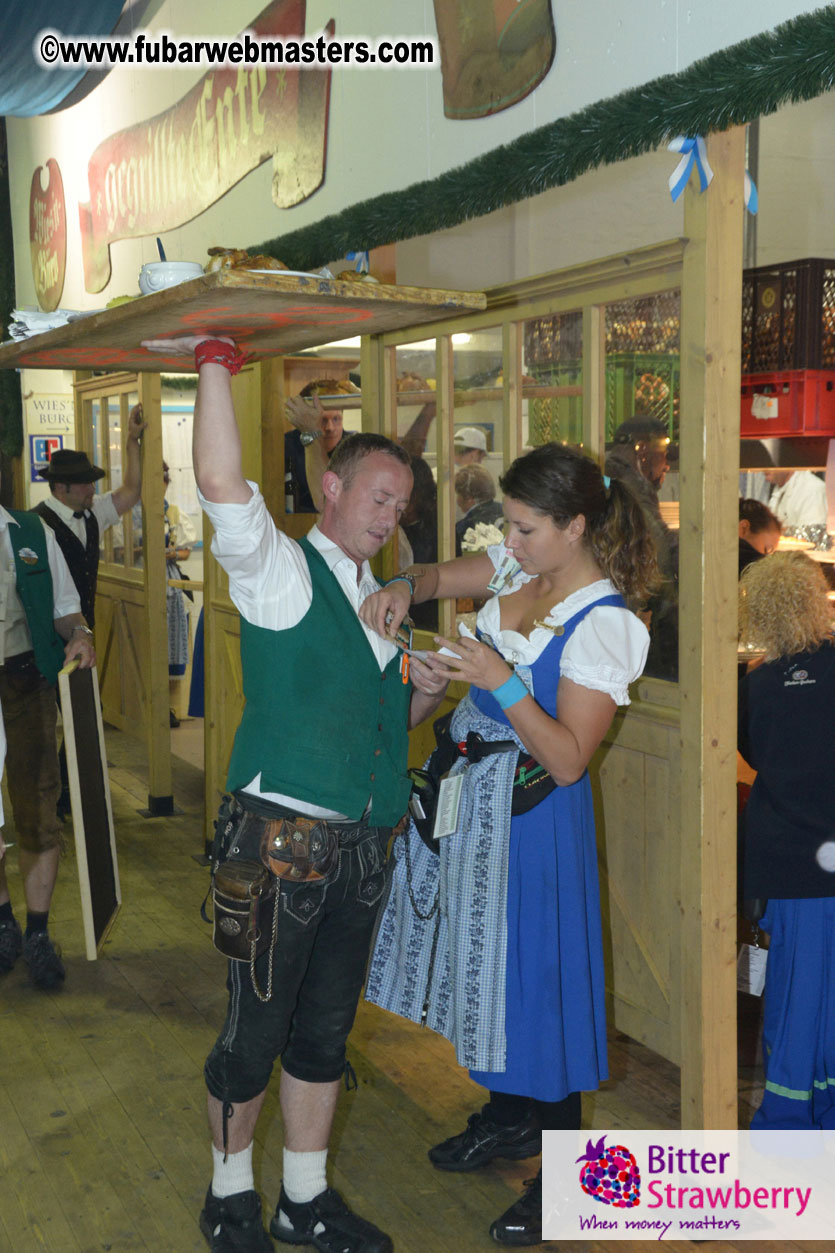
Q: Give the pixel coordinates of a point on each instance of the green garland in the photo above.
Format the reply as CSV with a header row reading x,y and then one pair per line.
x,y
11,408
794,62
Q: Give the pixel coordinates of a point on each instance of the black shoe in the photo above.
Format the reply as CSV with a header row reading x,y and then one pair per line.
x,y
46,970
232,1224
11,942
327,1224
522,1223
173,720
485,1139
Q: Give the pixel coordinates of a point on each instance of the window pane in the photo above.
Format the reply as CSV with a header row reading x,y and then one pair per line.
x,y
114,432
552,393
642,423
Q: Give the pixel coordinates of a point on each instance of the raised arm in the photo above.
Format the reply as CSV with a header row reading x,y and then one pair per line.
x,y
126,496
463,576
217,443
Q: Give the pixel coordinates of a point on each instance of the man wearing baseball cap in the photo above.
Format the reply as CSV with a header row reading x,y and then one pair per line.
x,y
470,445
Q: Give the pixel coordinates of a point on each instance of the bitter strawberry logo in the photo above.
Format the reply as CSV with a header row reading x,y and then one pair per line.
x,y
610,1175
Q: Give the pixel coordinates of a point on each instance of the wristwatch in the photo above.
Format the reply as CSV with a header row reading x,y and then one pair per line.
x,y
81,627
307,437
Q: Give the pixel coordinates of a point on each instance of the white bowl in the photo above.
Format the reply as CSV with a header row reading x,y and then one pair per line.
x,y
158,274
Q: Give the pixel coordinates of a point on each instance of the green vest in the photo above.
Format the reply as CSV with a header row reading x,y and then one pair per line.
x,y
34,587
321,722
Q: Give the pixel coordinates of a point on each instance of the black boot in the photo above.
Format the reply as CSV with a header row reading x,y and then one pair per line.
x,y
522,1223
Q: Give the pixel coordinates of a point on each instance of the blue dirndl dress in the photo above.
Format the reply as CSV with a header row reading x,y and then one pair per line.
x,y
527,997
555,1015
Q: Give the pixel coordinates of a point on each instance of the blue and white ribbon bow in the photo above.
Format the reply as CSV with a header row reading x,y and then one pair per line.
x,y
752,199
693,152
361,259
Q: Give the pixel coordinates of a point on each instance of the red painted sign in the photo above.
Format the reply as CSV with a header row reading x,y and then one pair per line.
x,y
161,173
48,235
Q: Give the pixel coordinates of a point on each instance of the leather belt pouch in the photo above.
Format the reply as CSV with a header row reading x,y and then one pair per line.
x,y
244,896
300,849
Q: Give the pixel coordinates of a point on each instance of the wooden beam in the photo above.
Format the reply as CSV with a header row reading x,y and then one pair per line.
x,y
157,712
710,375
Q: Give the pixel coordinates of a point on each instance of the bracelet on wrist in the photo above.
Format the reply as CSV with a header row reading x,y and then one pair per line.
x,y
81,627
307,437
218,352
404,578
510,692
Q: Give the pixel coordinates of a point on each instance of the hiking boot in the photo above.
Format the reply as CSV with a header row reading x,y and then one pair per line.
x,y
485,1139
11,942
46,970
522,1223
328,1224
232,1224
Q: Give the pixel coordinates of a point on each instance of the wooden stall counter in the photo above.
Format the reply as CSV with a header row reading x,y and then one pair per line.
x,y
269,314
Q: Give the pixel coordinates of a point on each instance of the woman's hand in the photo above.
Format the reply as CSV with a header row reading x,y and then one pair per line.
x,y
383,611
431,677
182,345
479,664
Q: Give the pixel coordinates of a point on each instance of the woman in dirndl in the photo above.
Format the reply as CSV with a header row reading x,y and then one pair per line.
x,y
787,734
495,939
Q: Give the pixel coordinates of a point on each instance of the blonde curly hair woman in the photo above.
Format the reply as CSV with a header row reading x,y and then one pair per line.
x,y
787,733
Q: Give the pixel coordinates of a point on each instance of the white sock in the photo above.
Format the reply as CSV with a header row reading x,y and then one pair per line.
x,y
234,1174
305,1175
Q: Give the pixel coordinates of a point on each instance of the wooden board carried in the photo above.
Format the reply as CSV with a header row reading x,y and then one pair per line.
x,y
268,314
92,813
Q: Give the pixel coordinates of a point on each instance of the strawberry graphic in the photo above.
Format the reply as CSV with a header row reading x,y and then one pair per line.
x,y
610,1175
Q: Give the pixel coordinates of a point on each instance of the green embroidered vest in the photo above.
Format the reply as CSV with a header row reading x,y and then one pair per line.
x,y
322,723
34,587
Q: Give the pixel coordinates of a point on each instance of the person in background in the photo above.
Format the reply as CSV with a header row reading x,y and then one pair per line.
x,y
475,493
323,737
512,971
640,458
787,734
79,516
798,498
470,445
309,448
41,628
419,530
180,534
759,532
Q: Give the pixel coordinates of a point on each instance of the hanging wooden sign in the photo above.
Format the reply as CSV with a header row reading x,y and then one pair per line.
x,y
161,173
493,52
48,234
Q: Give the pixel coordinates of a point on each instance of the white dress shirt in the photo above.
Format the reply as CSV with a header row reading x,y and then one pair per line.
x,y
270,586
103,509
14,631
801,501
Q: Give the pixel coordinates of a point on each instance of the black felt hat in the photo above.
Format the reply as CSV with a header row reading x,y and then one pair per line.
x,y
70,465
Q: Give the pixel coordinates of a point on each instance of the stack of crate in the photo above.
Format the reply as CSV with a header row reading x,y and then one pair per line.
x,y
788,349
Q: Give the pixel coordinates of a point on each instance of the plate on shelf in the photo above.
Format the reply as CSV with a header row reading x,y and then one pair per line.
x,y
283,273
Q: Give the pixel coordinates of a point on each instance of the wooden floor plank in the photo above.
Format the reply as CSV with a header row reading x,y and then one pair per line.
x,y
104,1144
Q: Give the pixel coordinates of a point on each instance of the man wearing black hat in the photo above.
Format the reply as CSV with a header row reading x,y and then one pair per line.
x,y
78,516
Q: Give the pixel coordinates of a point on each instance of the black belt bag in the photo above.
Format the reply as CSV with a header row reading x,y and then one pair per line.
x,y
531,781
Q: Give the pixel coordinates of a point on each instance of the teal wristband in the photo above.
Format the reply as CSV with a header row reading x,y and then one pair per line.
x,y
510,692
403,578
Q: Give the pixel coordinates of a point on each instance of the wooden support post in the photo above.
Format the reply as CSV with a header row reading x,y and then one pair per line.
x,y
157,726
710,361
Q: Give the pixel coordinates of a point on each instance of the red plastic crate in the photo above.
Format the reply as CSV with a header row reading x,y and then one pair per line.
x,y
805,403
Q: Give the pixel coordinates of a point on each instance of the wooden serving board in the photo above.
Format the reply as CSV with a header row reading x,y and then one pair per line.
x,y
267,314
